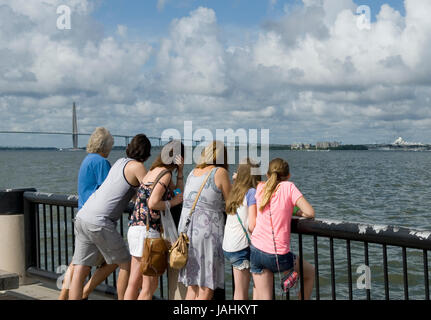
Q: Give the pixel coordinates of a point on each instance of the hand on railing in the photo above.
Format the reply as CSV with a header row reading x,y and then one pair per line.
x,y
305,208
301,214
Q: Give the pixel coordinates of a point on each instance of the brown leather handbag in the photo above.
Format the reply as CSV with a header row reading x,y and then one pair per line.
x,y
154,261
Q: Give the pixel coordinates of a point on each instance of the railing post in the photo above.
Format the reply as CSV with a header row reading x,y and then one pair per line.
x,y
30,234
331,250
13,233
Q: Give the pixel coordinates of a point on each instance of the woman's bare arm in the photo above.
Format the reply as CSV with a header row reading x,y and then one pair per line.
x,y
305,208
252,213
134,173
155,202
222,181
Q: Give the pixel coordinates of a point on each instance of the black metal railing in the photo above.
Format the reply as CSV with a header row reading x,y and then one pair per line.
x,y
382,238
334,247
52,239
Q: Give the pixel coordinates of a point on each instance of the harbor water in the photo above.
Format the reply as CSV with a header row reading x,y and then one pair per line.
x,y
376,187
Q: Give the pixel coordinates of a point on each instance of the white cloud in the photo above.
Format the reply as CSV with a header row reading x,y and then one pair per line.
x,y
312,69
47,69
191,60
366,75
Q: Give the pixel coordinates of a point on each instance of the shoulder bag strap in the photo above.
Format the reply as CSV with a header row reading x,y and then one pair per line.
x,y
196,201
161,174
273,238
243,228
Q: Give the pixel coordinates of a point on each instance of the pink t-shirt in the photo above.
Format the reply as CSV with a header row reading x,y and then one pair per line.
x,y
281,204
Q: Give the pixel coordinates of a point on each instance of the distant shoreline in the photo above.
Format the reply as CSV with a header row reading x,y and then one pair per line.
x,y
271,147
53,148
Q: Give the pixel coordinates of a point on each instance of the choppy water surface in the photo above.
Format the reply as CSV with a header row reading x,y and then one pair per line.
x,y
358,186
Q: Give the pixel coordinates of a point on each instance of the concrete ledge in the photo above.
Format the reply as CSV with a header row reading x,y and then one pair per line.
x,y
8,281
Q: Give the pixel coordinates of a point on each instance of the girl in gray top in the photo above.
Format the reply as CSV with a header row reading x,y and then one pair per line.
x,y
95,227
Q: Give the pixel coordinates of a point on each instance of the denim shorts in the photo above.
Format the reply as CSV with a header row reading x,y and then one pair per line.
x,y
240,259
260,260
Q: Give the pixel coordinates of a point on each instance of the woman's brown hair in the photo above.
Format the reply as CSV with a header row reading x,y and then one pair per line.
x,y
139,148
278,170
243,182
167,156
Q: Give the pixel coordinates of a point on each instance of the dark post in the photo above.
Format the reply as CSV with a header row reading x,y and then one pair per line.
x,y
30,235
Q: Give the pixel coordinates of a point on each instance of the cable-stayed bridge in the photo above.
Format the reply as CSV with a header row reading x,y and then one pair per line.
x,y
75,134
75,140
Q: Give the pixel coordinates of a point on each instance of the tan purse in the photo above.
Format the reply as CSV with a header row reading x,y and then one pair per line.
x,y
179,251
154,261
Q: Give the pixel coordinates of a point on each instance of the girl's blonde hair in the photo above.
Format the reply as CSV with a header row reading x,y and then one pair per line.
x,y
214,154
243,182
278,170
101,141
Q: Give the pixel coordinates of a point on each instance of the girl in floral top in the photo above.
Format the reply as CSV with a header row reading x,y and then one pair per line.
x,y
140,212
150,200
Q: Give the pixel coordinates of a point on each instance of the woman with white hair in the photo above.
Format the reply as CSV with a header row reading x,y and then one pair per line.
x,y
204,271
95,167
93,171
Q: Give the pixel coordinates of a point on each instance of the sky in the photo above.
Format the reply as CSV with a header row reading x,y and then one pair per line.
x,y
307,70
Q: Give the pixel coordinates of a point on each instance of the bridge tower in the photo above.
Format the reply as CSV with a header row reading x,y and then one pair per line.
x,y
74,128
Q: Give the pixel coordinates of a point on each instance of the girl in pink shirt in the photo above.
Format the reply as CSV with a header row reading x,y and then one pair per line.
x,y
276,199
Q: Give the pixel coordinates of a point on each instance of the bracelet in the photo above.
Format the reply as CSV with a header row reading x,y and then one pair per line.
x,y
167,205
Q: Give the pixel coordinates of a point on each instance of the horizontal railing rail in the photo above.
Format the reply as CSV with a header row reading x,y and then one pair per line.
x,y
333,247
57,199
371,233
